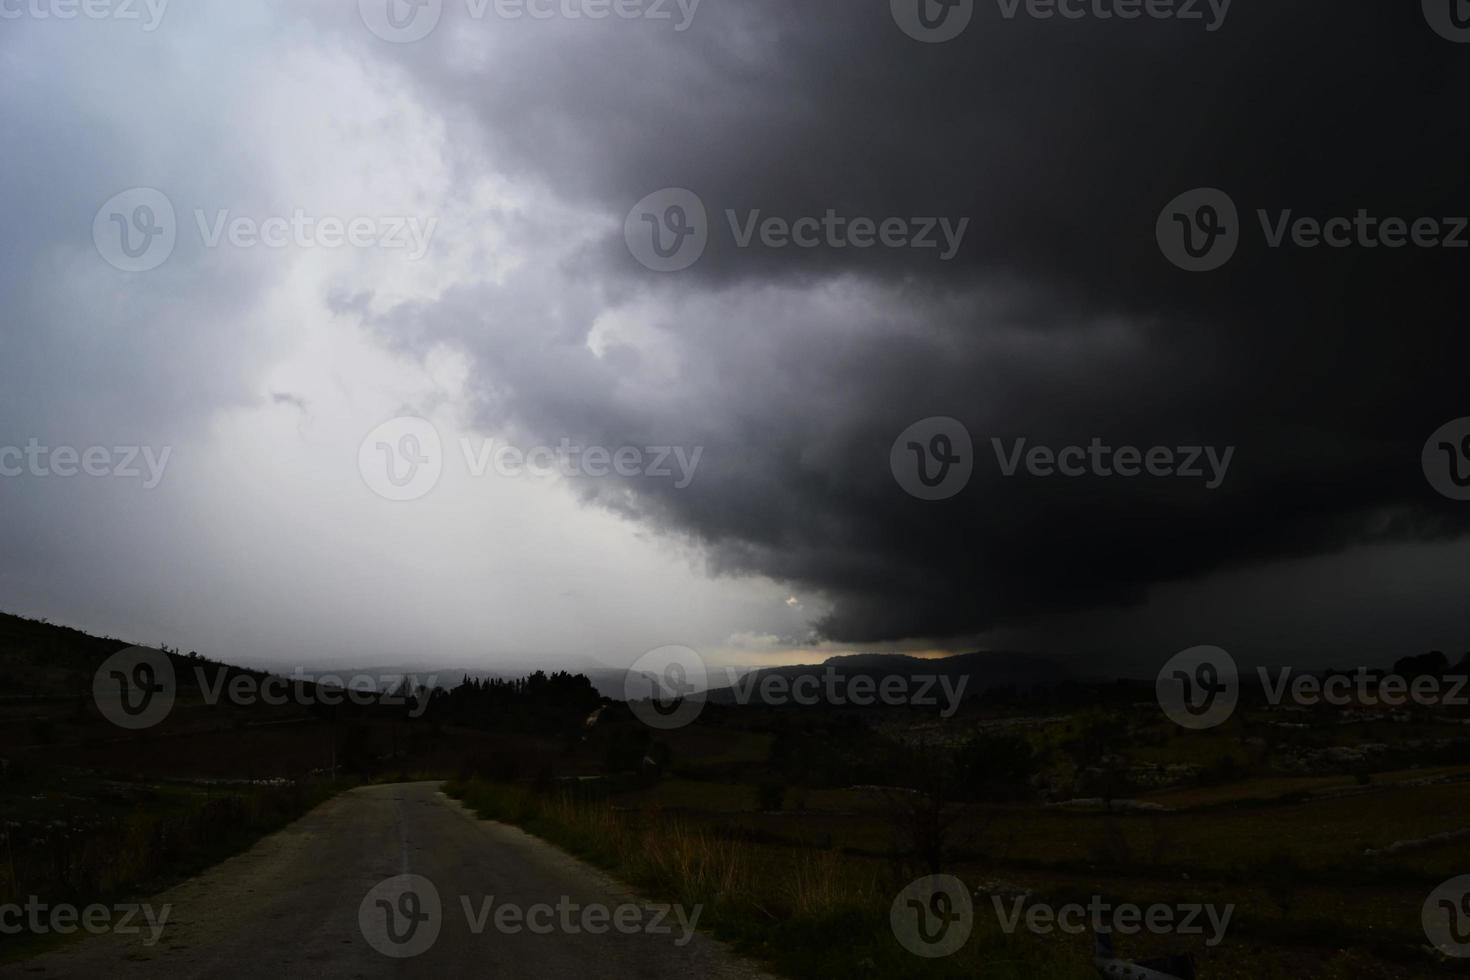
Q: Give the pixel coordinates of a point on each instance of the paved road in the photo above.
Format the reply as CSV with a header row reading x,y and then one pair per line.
x,y
325,898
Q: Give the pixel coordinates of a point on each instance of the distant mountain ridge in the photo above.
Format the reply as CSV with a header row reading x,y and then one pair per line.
x,y
985,670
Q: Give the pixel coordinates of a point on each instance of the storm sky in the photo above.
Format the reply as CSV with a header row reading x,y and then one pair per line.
x,y
519,147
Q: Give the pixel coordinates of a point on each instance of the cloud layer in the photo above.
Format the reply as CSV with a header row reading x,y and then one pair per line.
x,y
1057,320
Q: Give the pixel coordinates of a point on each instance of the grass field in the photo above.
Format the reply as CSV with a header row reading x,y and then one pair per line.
x,y
808,887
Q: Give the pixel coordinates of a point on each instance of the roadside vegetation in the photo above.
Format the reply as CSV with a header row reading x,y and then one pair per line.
x,y
796,832
808,913
80,839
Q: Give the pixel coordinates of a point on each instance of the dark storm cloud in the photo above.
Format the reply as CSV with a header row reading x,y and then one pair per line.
x,y
1058,321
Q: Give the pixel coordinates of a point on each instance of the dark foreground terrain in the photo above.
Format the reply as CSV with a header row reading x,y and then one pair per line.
x,y
293,906
791,829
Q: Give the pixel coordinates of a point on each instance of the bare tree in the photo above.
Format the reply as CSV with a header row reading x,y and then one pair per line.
x,y
930,820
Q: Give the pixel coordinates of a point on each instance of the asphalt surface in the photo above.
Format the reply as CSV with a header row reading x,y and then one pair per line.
x,y
325,898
